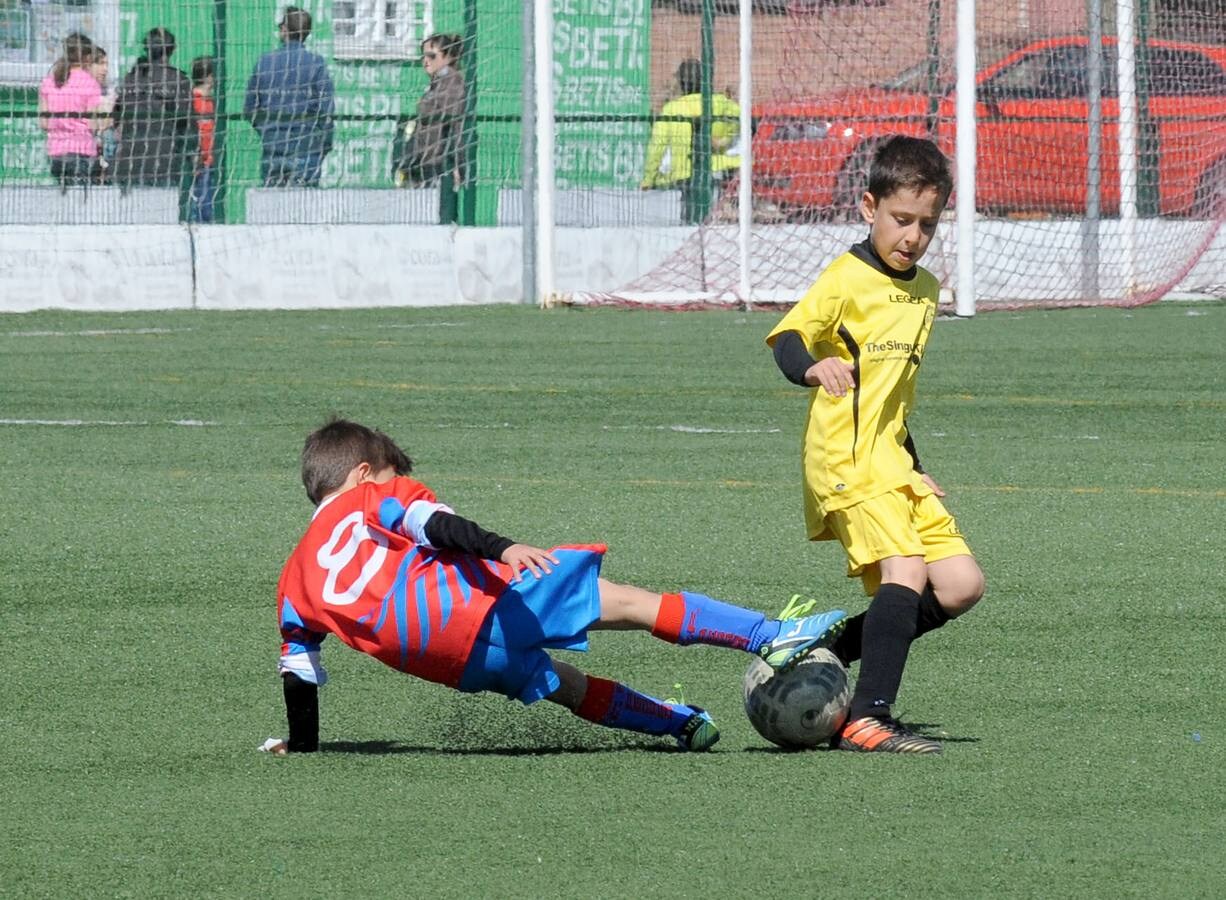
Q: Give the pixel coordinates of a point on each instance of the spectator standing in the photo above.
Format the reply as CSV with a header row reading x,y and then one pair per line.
x,y
433,144
669,161
204,107
72,145
290,102
153,112
108,141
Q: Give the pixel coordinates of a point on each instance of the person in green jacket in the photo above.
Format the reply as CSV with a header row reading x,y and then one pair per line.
x,y
670,148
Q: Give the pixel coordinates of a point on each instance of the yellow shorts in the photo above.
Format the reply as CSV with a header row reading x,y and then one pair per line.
x,y
896,523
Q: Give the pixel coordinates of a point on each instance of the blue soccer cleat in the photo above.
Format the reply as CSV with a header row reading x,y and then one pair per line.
x,y
799,637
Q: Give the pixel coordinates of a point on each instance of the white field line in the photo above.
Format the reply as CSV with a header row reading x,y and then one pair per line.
x,y
683,429
393,325
99,332
691,429
1046,437
91,423
494,426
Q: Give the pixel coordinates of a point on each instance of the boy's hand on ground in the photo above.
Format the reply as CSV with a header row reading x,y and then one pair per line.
x,y
275,746
832,374
936,488
534,559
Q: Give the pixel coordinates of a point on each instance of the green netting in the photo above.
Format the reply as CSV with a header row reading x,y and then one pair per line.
x,y
637,151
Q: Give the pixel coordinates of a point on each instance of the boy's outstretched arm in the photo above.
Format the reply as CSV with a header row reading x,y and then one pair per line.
x,y
302,713
447,531
435,525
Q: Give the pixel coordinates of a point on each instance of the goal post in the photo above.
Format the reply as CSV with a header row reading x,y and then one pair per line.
x,y
1040,219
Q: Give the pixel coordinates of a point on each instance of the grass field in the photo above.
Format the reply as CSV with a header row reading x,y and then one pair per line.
x,y
150,495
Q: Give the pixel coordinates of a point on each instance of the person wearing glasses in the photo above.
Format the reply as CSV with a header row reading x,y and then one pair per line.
x,y
290,101
432,144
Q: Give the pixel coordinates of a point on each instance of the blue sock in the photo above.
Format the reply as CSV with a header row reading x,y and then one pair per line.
x,y
615,705
688,618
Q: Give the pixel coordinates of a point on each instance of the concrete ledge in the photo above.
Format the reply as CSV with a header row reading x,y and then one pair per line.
x,y
92,205
342,206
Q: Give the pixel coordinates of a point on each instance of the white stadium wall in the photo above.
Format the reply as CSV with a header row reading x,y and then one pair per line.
x,y
79,267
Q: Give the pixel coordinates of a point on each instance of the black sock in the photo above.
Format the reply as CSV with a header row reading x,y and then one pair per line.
x,y
931,614
931,617
889,627
847,645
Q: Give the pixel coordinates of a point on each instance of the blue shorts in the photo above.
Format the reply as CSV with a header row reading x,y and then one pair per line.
x,y
552,612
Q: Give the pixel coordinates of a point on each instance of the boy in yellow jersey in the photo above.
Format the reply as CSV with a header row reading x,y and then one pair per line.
x,y
857,338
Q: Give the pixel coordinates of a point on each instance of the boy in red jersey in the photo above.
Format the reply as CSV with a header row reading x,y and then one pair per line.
x,y
394,573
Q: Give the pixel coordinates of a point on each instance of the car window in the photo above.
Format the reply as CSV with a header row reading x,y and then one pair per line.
x,y
913,78
1048,74
1184,72
1054,73
1022,80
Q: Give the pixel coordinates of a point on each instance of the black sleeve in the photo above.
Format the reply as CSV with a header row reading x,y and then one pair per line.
x,y
447,531
302,712
793,357
909,445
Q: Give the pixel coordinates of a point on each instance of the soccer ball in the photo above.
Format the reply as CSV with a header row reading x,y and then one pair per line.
x,y
801,708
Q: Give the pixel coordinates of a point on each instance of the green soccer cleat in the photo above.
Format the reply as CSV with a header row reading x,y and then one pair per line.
x,y
799,637
699,733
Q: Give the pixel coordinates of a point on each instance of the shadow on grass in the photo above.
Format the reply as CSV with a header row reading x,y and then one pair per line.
x,y
391,748
927,729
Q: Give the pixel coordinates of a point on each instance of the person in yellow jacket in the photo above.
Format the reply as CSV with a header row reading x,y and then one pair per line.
x,y
669,149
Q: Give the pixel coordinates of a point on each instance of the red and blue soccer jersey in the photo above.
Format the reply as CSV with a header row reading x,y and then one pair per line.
x,y
358,573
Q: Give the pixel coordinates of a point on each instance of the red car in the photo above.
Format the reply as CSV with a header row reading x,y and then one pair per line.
x,y
811,156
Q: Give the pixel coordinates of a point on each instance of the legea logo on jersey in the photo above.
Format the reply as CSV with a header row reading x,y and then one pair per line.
x,y
908,298
334,556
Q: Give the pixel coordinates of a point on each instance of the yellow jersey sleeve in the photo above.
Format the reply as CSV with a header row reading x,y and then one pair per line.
x,y
815,316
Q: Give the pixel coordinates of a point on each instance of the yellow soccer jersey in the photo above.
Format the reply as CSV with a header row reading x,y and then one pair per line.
x,y
878,321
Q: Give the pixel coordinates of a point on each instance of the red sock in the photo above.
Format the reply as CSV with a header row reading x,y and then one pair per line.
x,y
597,700
614,705
670,618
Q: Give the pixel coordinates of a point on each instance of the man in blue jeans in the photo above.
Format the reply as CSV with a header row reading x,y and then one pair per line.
x,y
290,103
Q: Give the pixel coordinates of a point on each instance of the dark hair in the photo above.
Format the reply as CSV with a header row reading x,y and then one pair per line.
x,y
689,76
297,23
159,45
450,45
331,452
78,51
909,163
202,68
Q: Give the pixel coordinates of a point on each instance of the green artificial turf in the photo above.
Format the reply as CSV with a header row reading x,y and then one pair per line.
x,y
1081,701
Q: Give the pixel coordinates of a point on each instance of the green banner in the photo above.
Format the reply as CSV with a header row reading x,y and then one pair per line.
x,y
601,70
